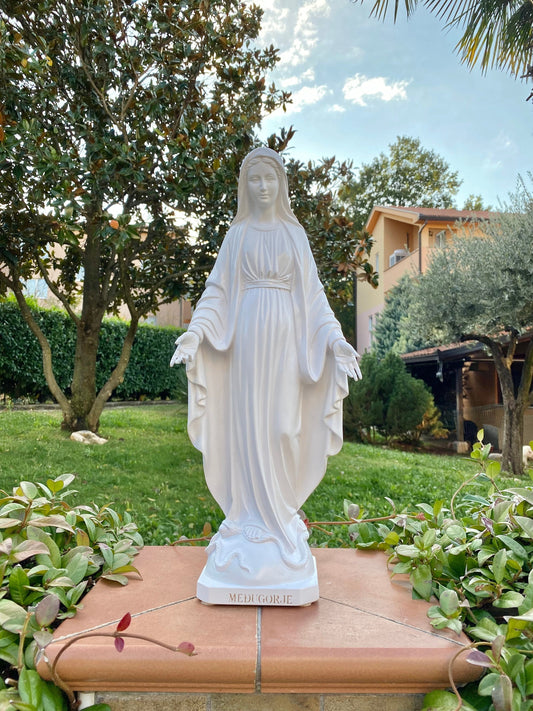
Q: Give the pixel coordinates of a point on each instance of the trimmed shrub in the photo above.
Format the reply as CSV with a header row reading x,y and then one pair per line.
x,y
148,374
387,401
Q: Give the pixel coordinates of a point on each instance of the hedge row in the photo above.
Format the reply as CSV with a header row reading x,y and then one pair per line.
x,y
148,374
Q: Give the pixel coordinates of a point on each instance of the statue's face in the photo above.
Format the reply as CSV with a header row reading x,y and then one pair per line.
x,y
263,186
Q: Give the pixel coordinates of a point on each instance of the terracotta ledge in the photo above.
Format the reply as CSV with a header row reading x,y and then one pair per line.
x,y
365,635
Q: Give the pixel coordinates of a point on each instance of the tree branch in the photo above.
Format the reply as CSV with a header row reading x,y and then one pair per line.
x,y
45,347
525,394
55,291
116,376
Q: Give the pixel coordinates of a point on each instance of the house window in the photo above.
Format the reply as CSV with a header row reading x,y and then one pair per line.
x,y
440,239
37,288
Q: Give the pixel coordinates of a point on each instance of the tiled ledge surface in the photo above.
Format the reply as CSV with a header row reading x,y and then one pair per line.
x,y
366,636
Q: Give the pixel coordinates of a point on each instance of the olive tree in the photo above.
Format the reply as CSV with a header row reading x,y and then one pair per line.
x,y
481,289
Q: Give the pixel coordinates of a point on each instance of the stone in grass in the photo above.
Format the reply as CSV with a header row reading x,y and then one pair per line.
x,y
87,437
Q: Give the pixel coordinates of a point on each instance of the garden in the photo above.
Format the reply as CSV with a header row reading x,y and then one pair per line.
x,y
71,513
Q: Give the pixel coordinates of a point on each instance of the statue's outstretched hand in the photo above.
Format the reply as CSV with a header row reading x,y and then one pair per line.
x,y
186,347
346,359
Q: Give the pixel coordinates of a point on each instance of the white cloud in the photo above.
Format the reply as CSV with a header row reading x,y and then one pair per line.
x,y
306,96
290,82
305,32
337,108
301,99
360,88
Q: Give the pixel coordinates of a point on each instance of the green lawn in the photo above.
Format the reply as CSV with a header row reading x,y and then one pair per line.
x,y
150,468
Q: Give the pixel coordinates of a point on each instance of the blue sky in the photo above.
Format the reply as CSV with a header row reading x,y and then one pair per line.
x,y
359,82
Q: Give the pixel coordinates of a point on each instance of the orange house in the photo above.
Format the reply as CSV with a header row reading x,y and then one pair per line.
x,y
404,238
461,376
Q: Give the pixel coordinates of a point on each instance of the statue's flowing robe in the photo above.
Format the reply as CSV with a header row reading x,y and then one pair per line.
x,y
265,394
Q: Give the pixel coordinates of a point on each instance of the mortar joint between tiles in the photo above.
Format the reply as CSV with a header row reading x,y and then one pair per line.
x,y
258,652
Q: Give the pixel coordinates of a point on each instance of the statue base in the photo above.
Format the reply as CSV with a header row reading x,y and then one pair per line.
x,y
291,594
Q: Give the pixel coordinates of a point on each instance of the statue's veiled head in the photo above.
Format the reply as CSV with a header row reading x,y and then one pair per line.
x,y
282,206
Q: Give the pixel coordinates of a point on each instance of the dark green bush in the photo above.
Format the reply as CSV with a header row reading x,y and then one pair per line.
x,y
387,400
21,372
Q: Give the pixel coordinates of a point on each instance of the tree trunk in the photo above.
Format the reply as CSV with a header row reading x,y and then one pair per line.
x,y
83,386
116,377
514,404
512,437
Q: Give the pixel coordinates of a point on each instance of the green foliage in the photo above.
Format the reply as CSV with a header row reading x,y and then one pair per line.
x,y
392,331
480,288
150,469
475,559
408,175
21,371
461,291
122,128
339,248
386,401
50,555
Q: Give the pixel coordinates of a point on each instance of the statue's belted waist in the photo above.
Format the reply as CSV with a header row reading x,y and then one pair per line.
x,y
268,284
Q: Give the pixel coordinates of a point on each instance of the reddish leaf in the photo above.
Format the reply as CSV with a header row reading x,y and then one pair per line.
x,y
119,644
47,610
479,659
124,623
186,648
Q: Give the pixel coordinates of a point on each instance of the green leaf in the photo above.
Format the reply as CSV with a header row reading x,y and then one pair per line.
x,y
421,581
440,701
509,599
498,565
525,494
30,687
53,699
493,469
12,616
126,569
8,523
513,545
449,602
18,582
77,568
29,489
122,579
488,683
65,479
516,671
37,534
526,524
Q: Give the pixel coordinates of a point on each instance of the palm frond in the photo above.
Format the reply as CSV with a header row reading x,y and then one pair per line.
x,y
496,33
380,8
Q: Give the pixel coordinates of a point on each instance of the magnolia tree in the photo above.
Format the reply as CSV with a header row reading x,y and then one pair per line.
x,y
122,127
114,115
481,289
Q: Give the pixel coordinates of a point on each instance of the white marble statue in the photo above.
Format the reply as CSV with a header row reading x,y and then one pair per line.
x,y
267,365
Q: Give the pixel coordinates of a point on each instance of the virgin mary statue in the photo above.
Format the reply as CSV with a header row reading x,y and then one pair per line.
x,y
267,366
